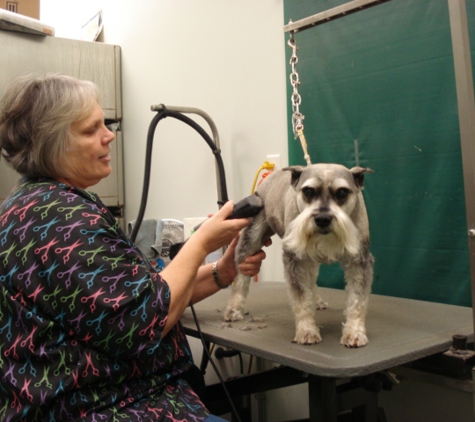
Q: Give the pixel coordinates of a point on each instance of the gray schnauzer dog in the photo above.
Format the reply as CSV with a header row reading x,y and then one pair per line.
x,y
320,214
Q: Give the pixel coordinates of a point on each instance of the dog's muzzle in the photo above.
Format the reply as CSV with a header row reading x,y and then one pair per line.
x,y
323,222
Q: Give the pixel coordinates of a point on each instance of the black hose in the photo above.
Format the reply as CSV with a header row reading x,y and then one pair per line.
x,y
146,181
214,149
148,162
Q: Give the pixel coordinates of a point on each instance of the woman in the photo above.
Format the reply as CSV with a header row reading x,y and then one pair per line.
x,y
88,330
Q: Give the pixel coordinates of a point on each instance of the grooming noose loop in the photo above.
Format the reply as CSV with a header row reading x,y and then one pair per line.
x,y
296,99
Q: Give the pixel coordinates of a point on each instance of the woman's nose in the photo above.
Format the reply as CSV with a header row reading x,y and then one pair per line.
x,y
109,136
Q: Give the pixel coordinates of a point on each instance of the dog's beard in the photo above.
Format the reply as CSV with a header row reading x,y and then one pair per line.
x,y
304,239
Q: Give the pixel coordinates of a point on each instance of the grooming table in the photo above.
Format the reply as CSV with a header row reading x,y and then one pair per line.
x,y
399,330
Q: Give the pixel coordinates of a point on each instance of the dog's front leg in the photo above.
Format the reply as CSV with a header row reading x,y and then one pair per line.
x,y
359,278
301,277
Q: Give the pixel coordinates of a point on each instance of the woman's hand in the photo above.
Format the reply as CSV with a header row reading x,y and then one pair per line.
x,y
217,232
250,266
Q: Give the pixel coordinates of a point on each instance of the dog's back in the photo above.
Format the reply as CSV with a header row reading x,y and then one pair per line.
x,y
275,191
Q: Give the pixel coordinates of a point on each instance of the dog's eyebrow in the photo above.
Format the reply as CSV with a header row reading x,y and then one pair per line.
x,y
340,183
312,182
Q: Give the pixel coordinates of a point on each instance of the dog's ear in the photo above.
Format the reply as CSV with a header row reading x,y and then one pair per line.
x,y
296,172
358,175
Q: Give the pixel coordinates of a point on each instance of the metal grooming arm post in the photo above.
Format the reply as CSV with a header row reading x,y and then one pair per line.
x,y
214,131
466,112
331,14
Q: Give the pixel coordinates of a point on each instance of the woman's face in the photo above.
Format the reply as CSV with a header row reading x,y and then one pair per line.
x,y
88,158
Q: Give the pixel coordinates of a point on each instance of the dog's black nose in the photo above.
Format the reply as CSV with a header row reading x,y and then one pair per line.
x,y
323,221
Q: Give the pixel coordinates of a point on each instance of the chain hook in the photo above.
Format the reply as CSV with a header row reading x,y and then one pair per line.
x,y
296,99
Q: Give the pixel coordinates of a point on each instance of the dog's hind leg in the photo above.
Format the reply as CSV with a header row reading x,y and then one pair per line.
x,y
358,278
301,277
319,302
250,241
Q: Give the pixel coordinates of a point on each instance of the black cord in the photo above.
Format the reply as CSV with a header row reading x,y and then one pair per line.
x,y
221,380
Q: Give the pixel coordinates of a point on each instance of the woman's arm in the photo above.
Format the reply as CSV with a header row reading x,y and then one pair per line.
x,y
182,274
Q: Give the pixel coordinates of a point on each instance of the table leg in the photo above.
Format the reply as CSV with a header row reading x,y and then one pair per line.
x,y
327,400
323,406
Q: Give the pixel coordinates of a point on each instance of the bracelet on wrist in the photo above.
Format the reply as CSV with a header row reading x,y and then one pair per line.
x,y
216,278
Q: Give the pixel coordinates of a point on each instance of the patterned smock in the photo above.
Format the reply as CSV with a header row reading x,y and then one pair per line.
x,y
81,317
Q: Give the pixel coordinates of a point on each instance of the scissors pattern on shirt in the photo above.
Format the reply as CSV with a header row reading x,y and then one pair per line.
x,y
81,316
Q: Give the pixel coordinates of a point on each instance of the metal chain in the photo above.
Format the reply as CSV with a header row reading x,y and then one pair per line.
x,y
297,117
296,99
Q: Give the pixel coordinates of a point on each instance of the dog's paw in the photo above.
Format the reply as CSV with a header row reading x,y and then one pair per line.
x,y
231,314
307,337
354,339
320,303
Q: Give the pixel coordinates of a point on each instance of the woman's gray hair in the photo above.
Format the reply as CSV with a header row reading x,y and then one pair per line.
x,y
36,114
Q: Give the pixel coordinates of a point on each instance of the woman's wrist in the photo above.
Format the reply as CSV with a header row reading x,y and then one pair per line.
x,y
216,277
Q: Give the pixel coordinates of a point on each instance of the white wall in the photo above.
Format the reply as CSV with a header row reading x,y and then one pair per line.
x,y
224,57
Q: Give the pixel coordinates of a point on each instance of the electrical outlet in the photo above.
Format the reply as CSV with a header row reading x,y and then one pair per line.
x,y
274,159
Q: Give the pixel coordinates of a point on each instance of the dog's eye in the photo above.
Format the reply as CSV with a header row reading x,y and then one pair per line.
x,y
342,193
309,193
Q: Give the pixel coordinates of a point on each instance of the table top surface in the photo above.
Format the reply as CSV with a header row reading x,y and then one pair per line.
x,y
399,330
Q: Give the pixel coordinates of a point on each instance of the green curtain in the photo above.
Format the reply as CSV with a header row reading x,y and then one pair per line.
x,y
383,79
